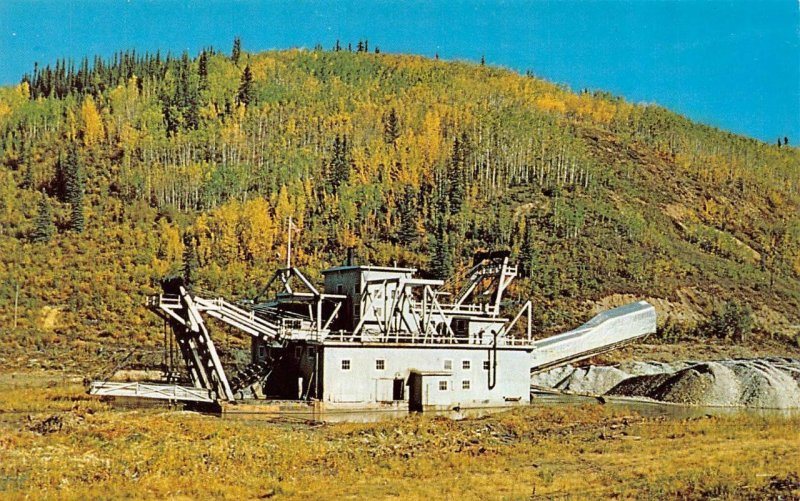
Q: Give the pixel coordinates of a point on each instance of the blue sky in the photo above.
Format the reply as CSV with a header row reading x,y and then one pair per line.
x,y
732,64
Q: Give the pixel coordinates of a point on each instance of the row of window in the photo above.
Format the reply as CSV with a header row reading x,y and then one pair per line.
x,y
466,384
465,365
380,364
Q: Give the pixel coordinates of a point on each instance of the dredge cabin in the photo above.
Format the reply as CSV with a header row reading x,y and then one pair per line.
x,y
397,340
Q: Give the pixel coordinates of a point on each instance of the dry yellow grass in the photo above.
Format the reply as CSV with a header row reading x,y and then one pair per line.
x,y
91,451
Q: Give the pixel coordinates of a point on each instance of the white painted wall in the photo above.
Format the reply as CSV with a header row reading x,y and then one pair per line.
x,y
364,383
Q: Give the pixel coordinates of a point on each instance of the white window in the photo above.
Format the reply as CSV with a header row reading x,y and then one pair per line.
x,y
380,364
486,365
345,365
442,385
465,384
466,365
448,365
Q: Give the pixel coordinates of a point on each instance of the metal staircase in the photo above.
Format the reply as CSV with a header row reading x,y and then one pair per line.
x,y
257,372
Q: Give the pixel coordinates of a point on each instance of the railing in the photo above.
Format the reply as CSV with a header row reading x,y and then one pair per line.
x,y
416,338
220,309
158,391
237,317
164,301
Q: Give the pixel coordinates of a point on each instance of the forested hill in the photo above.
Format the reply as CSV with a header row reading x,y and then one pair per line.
x,y
118,173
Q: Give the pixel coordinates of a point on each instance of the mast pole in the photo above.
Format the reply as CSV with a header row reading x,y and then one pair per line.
x,y
289,248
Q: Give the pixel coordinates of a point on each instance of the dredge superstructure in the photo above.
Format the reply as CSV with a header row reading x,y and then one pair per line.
x,y
374,336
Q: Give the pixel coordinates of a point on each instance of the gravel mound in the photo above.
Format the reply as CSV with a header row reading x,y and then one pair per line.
x,y
592,380
769,383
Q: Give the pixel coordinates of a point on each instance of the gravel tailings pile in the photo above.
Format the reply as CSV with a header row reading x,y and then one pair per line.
x,y
770,383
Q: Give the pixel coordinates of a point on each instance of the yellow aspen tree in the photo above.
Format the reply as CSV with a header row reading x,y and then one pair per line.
x,y
72,125
256,230
225,219
283,207
24,91
170,245
92,128
431,139
5,109
551,103
202,231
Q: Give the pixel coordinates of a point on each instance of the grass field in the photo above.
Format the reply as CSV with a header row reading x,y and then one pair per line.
x,y
56,442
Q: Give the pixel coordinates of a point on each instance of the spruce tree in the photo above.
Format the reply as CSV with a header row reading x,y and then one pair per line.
x,y
190,263
456,174
74,189
28,180
245,95
441,259
391,127
186,94
236,52
408,219
441,250
43,228
202,70
528,254
339,164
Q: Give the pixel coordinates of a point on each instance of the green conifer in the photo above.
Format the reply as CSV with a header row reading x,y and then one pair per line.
x,y
528,254
246,93
190,263
441,259
202,70
456,174
236,52
408,218
339,164
28,181
74,189
43,229
391,127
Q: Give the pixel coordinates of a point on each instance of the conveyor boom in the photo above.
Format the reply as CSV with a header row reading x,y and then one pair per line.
x,y
604,332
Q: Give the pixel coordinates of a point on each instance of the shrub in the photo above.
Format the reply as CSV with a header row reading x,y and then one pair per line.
x,y
673,331
732,321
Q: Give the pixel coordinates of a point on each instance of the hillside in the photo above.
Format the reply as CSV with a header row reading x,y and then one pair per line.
x,y
116,174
